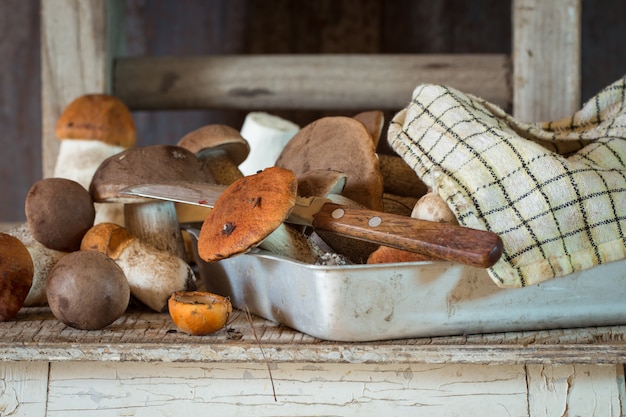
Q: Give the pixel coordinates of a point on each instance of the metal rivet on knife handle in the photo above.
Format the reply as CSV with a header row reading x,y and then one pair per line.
x,y
375,221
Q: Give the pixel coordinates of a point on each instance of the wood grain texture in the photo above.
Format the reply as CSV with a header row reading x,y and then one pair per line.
x,y
316,82
547,51
142,336
23,389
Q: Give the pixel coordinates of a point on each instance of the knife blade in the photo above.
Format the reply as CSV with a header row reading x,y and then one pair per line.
x,y
444,241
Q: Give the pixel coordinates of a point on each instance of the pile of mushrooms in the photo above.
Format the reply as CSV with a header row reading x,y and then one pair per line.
x,y
89,267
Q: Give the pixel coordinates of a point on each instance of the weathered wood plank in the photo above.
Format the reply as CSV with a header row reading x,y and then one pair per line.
x,y
575,390
77,48
141,336
239,389
23,389
311,82
546,59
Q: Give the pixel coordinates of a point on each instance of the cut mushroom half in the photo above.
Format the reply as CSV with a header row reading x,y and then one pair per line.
x,y
92,128
153,221
251,212
374,121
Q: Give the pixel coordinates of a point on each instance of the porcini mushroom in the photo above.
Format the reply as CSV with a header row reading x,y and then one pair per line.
x,y
152,274
341,144
16,275
374,121
250,211
44,260
221,149
87,290
59,211
153,221
198,312
267,135
92,128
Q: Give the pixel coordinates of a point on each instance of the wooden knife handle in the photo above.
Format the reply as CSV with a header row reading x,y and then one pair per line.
x,y
445,241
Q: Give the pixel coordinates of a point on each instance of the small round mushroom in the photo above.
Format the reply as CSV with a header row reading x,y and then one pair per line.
x,y
432,207
92,128
44,260
153,221
251,211
152,274
220,148
59,212
16,275
387,255
199,312
399,178
87,290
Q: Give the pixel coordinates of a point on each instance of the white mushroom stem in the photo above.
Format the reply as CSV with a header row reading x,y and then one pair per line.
x,y
432,207
153,275
156,223
78,160
267,135
289,242
44,260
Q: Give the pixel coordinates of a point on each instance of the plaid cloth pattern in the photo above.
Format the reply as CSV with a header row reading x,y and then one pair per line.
x,y
554,191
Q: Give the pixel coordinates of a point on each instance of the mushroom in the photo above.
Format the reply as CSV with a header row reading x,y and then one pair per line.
x,y
267,135
374,121
198,312
44,260
153,221
152,274
250,212
220,148
87,290
90,129
16,275
429,207
341,144
399,178
59,211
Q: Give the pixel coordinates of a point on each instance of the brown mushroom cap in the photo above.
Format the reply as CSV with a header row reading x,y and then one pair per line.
x,y
16,275
373,121
342,144
87,290
108,238
217,136
144,164
386,254
247,212
97,116
59,212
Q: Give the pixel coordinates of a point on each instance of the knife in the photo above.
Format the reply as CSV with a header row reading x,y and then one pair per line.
x,y
444,241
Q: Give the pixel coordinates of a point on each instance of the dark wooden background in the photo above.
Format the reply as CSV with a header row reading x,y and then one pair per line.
x,y
192,27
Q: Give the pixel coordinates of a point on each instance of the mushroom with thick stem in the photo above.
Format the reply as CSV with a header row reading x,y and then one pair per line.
x,y
340,144
153,274
92,128
16,275
155,222
267,135
59,211
44,260
221,149
251,211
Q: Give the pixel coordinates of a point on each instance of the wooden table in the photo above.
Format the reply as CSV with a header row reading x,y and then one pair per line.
x,y
142,366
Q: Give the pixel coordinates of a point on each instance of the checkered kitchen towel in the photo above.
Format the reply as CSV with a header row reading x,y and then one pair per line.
x,y
555,192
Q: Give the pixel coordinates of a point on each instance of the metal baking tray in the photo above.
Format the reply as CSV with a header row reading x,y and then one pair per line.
x,y
408,300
